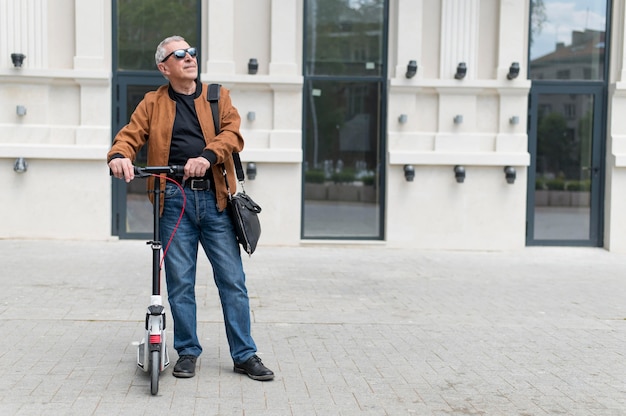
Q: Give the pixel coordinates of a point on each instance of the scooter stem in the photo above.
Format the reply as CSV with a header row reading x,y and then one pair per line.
x,y
156,240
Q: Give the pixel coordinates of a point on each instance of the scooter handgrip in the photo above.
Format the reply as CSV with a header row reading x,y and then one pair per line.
x,y
141,172
177,169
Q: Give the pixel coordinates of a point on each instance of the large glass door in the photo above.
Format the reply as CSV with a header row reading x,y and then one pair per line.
x,y
565,140
569,46
341,193
132,209
344,98
139,25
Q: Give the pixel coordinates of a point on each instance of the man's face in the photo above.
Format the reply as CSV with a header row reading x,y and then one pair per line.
x,y
179,69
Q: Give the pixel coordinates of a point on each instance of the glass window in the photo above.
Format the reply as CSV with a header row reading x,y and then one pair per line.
x,y
344,94
563,178
567,39
344,37
342,159
142,24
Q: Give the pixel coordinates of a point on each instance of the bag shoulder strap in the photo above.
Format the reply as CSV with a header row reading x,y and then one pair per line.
x,y
213,97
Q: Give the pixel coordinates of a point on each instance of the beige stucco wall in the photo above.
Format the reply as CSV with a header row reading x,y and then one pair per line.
x,y
435,211
64,85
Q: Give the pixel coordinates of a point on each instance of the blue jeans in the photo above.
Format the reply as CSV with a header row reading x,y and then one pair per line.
x,y
203,223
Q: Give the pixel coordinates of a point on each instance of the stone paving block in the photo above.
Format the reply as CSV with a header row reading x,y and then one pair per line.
x,y
348,330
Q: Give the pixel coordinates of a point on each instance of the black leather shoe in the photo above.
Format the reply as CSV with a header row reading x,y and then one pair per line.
x,y
185,366
254,369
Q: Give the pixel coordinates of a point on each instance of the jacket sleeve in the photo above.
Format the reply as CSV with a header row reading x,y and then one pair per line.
x,y
132,136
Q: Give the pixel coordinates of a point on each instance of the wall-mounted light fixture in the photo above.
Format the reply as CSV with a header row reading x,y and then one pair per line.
x,y
20,165
461,71
253,66
403,118
458,119
17,59
409,173
20,110
251,116
411,69
459,173
251,170
513,71
514,120
510,174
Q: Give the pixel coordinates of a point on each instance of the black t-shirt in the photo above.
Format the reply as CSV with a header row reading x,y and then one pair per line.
x,y
187,138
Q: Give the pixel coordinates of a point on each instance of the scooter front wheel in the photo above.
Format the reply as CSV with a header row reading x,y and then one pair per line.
x,y
155,369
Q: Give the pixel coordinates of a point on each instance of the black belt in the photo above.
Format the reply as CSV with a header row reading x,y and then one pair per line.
x,y
195,184
198,184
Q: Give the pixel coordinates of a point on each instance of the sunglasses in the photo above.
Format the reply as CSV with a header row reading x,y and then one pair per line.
x,y
180,53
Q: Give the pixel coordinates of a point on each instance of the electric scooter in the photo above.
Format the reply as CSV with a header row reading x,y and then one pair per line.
x,y
152,355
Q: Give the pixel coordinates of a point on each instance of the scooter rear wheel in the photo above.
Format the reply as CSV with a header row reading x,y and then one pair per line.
x,y
155,369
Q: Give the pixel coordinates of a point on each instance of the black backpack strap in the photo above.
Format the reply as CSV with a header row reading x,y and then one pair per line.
x,y
213,97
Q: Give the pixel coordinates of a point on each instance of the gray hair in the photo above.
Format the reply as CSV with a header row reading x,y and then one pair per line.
x,y
160,50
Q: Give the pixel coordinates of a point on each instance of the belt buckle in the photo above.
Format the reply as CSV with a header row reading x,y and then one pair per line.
x,y
198,185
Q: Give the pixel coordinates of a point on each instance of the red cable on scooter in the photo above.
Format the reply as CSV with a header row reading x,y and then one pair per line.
x,y
180,217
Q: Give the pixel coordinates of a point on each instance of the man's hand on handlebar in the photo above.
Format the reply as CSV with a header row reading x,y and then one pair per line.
x,y
196,167
122,168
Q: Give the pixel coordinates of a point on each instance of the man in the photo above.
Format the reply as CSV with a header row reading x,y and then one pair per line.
x,y
176,123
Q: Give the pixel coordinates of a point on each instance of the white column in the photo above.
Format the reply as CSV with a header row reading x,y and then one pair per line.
x,y
23,29
221,18
94,128
459,37
512,36
90,32
411,33
617,29
92,24
283,38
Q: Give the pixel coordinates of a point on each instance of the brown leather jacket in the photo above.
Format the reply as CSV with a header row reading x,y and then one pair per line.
x,y
152,123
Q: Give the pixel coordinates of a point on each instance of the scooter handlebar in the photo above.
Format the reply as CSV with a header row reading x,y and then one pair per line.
x,y
156,170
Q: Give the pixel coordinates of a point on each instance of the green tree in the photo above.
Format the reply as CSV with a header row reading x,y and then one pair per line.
x,y
538,17
554,144
142,24
585,134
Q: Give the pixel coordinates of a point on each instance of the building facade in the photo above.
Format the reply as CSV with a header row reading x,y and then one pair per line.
x,y
444,124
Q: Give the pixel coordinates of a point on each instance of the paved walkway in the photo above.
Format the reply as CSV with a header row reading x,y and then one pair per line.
x,y
356,330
